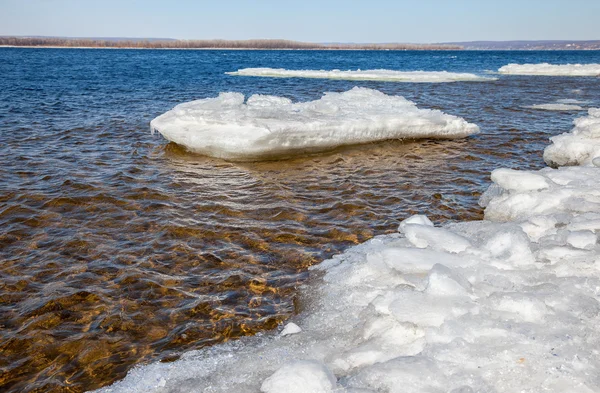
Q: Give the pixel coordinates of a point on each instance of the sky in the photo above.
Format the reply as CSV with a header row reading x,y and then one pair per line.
x,y
414,21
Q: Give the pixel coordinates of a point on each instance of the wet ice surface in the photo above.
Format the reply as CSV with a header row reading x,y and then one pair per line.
x,y
366,75
270,127
506,304
551,69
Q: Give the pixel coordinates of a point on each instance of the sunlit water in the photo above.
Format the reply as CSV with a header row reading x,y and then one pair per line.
x,y
118,248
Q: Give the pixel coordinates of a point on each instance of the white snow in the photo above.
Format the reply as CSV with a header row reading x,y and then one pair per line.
x,y
581,146
266,127
551,69
507,304
365,75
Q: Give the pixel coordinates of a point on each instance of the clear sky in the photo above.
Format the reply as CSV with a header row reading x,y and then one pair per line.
x,y
307,20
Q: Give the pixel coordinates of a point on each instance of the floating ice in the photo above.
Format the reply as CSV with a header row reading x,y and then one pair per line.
x,y
581,146
270,127
556,107
365,75
551,69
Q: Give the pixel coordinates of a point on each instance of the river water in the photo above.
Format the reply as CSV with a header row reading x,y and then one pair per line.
x,y
117,247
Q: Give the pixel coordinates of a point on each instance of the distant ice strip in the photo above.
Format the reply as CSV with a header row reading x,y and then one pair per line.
x,y
507,304
551,69
556,107
270,127
572,101
366,75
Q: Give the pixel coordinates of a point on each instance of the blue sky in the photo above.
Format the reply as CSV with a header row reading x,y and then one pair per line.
x,y
307,20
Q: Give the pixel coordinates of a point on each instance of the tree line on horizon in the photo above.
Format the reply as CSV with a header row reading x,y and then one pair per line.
x,y
209,44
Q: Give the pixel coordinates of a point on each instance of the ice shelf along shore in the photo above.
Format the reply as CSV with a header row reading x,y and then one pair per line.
x,y
551,69
366,75
506,304
264,127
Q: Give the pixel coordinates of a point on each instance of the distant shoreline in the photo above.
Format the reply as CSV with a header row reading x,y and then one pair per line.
x,y
215,49
276,44
48,42
293,49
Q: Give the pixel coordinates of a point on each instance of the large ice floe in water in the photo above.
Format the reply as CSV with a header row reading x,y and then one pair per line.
x,y
551,69
270,127
506,304
366,75
581,146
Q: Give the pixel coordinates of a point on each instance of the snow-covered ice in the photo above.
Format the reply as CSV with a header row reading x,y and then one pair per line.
x,y
581,146
551,69
265,127
507,304
366,75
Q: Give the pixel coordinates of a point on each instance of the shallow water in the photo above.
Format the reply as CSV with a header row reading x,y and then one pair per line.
x,y
118,248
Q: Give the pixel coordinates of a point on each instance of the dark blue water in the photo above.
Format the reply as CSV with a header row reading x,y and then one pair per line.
x,y
118,248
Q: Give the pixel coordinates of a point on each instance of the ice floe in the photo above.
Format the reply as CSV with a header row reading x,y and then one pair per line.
x,y
506,304
366,75
551,69
271,127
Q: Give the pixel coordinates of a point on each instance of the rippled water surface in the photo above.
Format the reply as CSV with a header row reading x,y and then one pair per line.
x,y
118,248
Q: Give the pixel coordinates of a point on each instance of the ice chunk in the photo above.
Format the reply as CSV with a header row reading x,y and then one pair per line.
x,y
518,180
385,339
273,127
290,328
582,239
414,374
416,260
538,226
551,69
580,146
365,75
423,236
510,247
522,306
303,376
416,219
